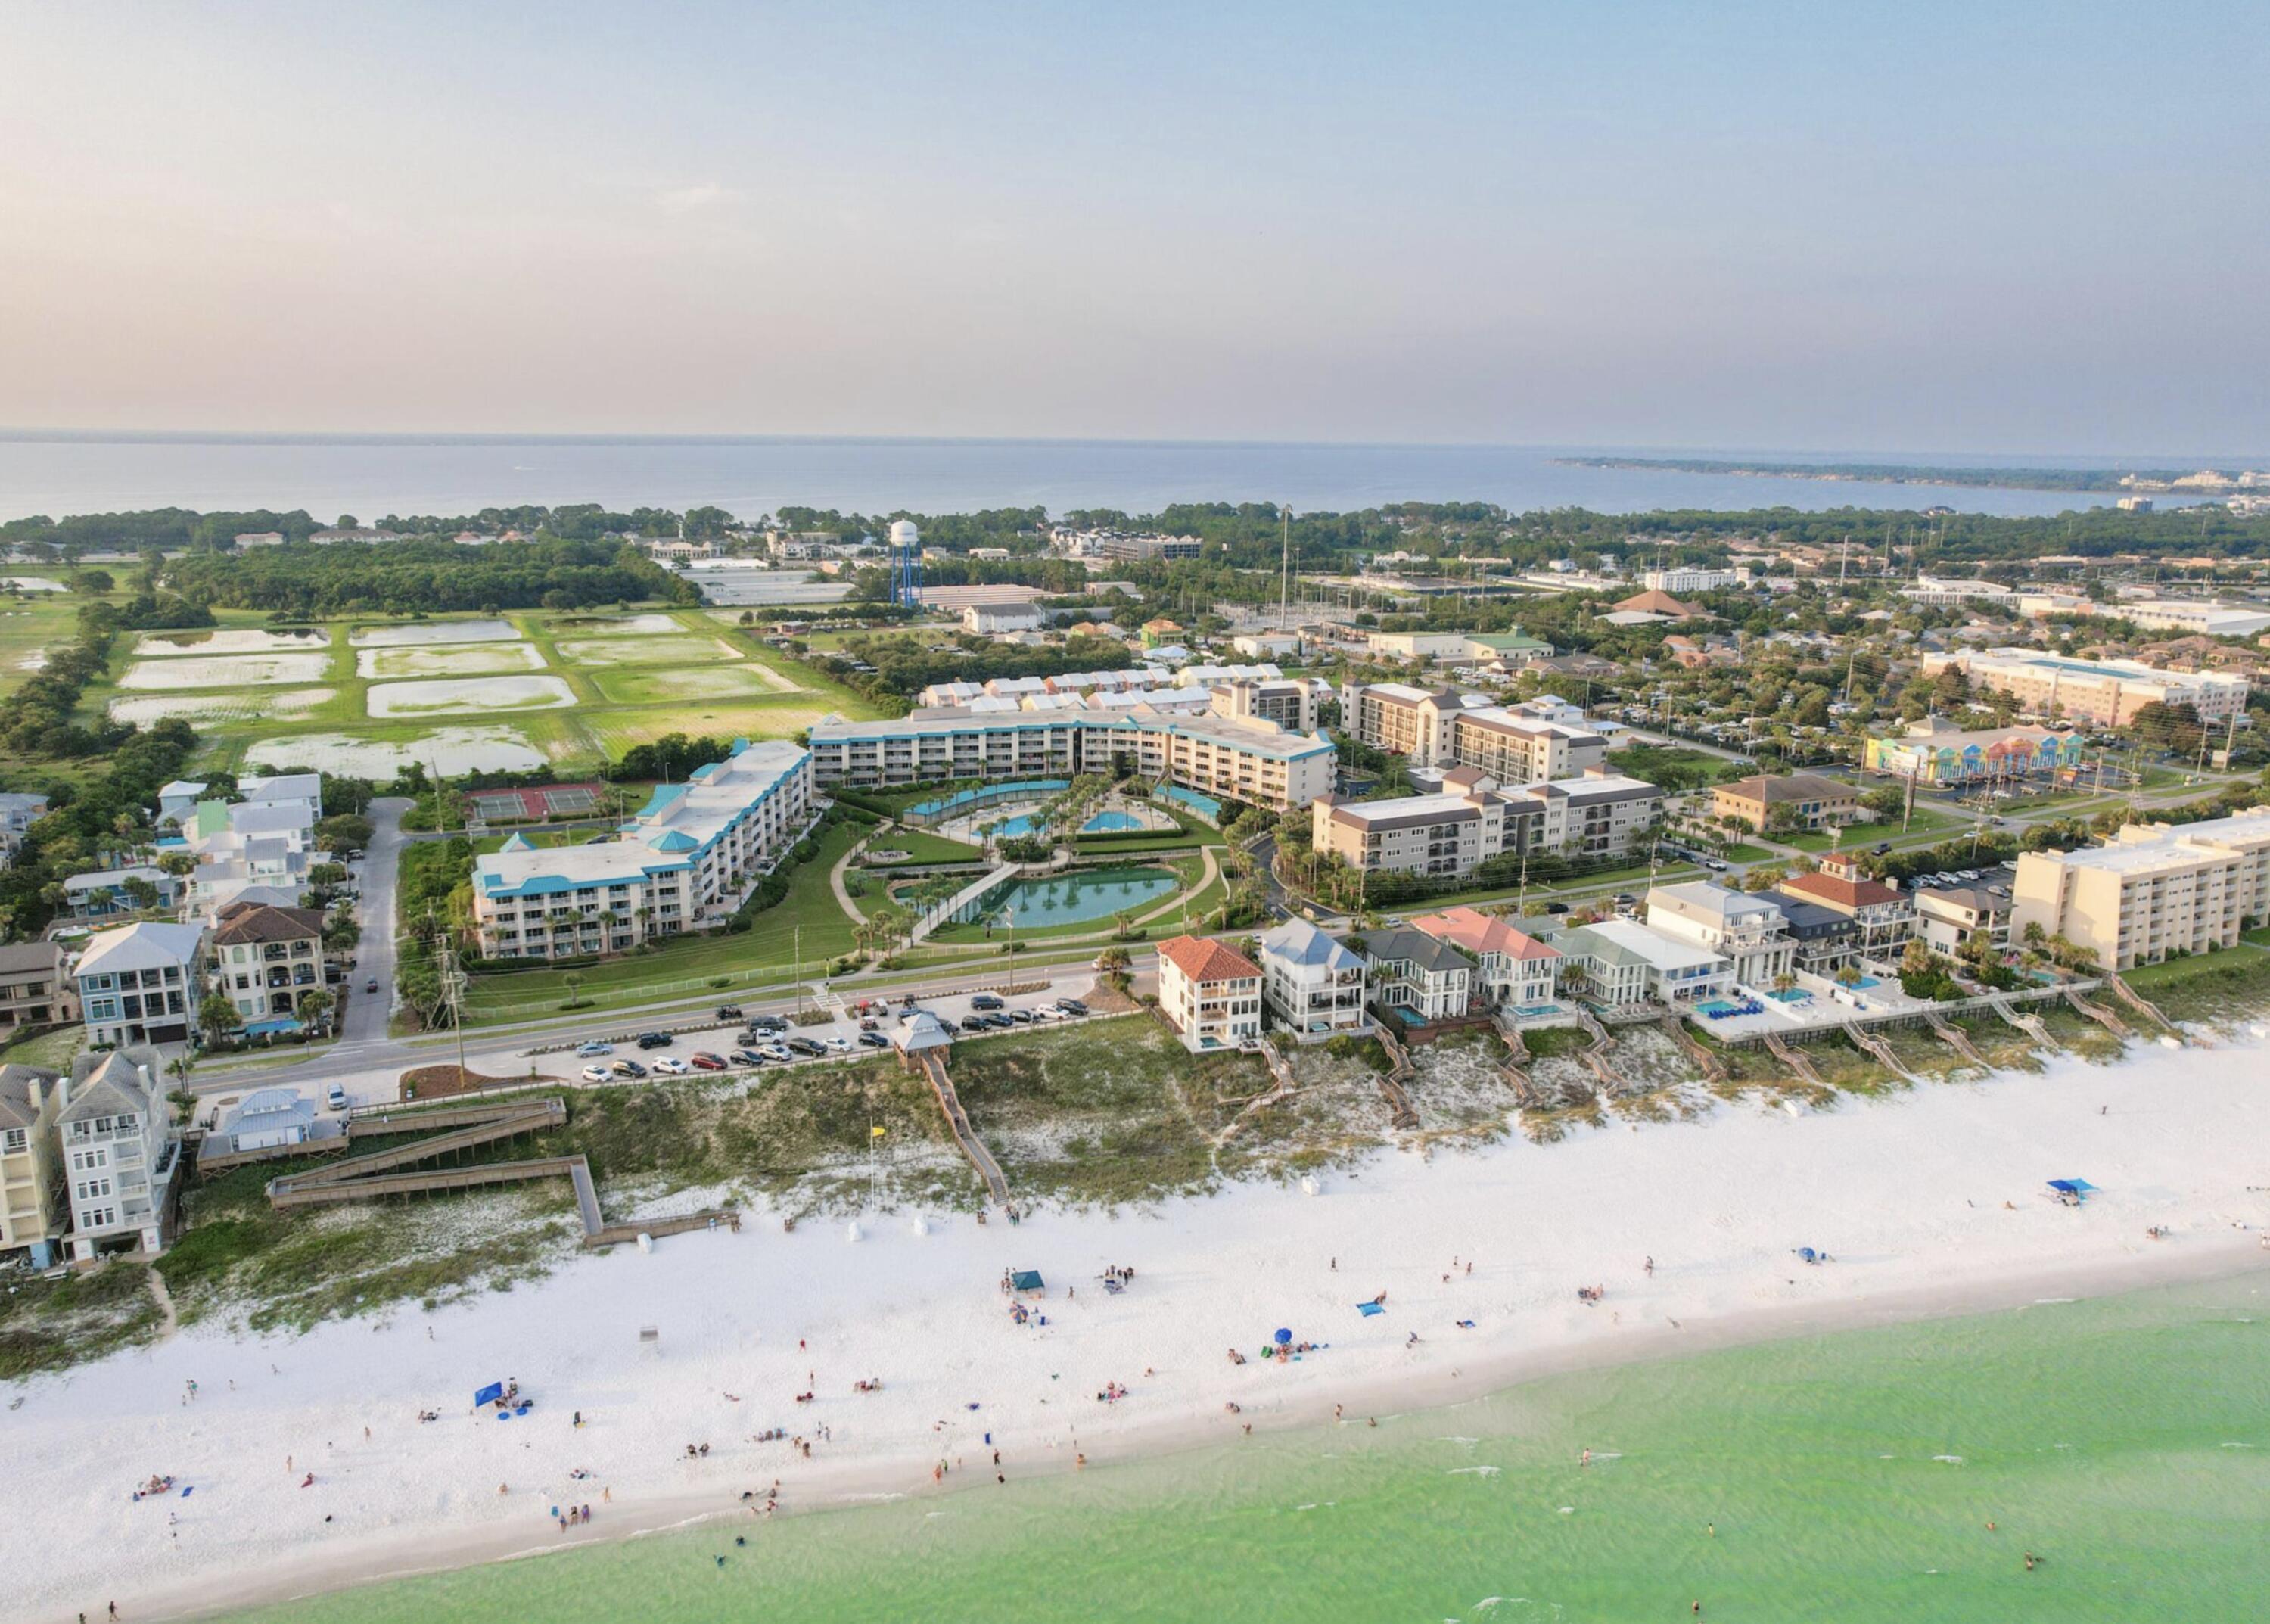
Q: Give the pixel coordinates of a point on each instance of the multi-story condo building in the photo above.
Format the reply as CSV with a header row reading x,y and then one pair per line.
x,y
688,860
1938,755
1158,549
2092,693
31,1207
1598,815
119,1153
2155,890
1882,918
1210,994
141,983
1804,800
1240,759
34,989
1311,985
1747,932
1435,727
265,959
1690,578
1517,970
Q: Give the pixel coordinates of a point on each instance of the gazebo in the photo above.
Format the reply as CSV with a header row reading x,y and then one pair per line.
x,y
917,1033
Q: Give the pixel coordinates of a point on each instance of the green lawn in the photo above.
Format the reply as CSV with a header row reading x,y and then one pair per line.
x,y
923,847
1607,879
1743,852
1854,836
54,1049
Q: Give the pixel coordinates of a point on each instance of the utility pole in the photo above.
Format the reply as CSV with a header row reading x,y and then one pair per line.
x,y
1285,570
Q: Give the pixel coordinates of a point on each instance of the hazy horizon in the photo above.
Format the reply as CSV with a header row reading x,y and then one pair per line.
x,y
1995,228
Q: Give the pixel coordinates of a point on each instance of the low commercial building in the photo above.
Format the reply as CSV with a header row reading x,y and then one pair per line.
x,y
1789,800
34,989
1882,917
2212,618
1515,969
1311,985
2091,693
688,860
1935,755
1210,994
1928,589
1249,759
120,1153
141,983
1746,930
993,620
1418,974
266,1119
2155,890
32,1211
1690,578
1416,645
1617,961
264,960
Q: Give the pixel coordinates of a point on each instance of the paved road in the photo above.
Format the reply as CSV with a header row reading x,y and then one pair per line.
x,y
364,1025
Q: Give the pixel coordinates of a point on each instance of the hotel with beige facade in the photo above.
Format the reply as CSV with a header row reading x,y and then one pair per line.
x,y
2155,891
2092,693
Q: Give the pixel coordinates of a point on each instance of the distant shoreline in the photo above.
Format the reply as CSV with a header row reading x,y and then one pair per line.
x,y
2141,480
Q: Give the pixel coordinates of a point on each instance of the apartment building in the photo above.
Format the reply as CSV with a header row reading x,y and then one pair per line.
x,y
1250,759
141,983
119,1155
1517,971
264,958
35,990
1800,800
1690,578
1210,994
1882,918
1597,815
2091,693
688,860
1435,727
32,1212
1747,932
1311,985
2155,890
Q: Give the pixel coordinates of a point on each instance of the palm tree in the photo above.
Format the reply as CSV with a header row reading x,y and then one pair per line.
x,y
572,980
1784,983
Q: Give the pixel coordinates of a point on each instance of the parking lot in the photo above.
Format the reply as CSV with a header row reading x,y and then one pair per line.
x,y
851,1027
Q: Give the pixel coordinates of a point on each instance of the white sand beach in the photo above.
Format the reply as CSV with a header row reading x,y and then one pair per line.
x,y
1929,1202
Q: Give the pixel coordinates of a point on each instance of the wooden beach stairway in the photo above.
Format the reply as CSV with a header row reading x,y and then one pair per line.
x,y
1400,1111
2098,1013
1870,1044
957,1121
1794,1061
1280,1071
1955,1038
2143,1006
1516,1069
1596,1052
1691,1046
2030,1024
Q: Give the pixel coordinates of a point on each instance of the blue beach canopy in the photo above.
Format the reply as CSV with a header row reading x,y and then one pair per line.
x,y
2073,1186
1370,1309
1283,1335
1027,1279
490,1394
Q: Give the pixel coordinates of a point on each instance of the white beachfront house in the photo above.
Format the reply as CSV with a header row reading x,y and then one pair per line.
x,y
1210,994
1746,930
120,1155
1312,985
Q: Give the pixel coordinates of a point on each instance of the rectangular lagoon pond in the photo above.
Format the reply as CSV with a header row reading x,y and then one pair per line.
x,y
1074,899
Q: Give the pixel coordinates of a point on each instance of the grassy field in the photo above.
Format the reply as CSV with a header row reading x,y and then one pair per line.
x,y
2230,985
48,1325
921,846
54,1049
31,625
1858,835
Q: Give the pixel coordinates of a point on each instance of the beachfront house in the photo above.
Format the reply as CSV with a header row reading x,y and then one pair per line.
x,y
1418,974
1745,930
105,894
140,984
1882,918
1517,970
32,1208
1311,985
1210,994
1618,962
264,960
17,812
35,990
120,1155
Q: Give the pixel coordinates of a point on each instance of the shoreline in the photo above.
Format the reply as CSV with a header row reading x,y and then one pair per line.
x,y
1931,1199
843,1490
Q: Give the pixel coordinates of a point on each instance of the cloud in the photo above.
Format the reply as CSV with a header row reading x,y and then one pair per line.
x,y
690,199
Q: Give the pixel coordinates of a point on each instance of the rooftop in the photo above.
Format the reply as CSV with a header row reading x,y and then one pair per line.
x,y
1302,943
1202,961
1479,934
1621,941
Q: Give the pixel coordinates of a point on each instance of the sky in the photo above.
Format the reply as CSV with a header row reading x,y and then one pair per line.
x,y
1905,228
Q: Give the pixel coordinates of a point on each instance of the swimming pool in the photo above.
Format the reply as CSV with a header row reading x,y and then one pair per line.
x,y
1076,898
1205,806
1014,828
1111,823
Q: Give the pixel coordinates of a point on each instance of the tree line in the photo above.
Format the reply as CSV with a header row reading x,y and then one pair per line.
x,y
407,577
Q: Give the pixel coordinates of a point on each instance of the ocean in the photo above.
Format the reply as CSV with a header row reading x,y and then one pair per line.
x,y
373,476
2124,1442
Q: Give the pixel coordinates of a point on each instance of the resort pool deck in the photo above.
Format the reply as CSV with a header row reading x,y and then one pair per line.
x,y
1111,823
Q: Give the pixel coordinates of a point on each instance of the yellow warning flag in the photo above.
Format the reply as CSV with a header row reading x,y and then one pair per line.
x,y
875,1133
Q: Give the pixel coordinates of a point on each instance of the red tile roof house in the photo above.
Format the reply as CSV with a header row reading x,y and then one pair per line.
x,y
1209,994
1517,969
1886,918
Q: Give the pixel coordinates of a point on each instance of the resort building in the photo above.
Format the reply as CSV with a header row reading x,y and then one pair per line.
x,y
1935,755
1791,800
1210,994
1598,815
1690,578
688,860
265,959
1882,918
119,1153
35,991
1239,759
1418,974
140,984
1515,969
1311,985
32,1208
2091,693
2154,890
1746,930
1616,961
1435,727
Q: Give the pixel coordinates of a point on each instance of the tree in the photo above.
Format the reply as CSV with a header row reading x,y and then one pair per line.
x,y
572,980
95,582
315,1009
216,1015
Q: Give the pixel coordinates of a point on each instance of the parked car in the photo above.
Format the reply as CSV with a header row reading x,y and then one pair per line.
x,y
707,1062
1071,1006
627,1069
1046,1011
337,1098
997,1020
1022,1017
805,1047
598,1074
777,1053
874,1039
595,1046
671,1065
1556,908
973,1023
371,985
745,1056
836,1045
767,1023
730,1011
655,1040
984,1000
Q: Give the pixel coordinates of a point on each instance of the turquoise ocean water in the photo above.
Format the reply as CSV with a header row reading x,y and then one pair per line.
x,y
2124,1441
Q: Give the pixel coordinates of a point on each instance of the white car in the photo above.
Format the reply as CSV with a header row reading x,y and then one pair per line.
x,y
598,1074
1043,1012
836,1045
671,1065
778,1051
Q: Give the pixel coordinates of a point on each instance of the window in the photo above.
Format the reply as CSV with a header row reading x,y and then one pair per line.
x,y
14,1141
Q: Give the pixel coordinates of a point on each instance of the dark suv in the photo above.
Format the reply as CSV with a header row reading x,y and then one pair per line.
x,y
985,1000
729,1011
654,1040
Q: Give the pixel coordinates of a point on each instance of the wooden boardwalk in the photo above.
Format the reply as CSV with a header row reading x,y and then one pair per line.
x,y
957,1121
